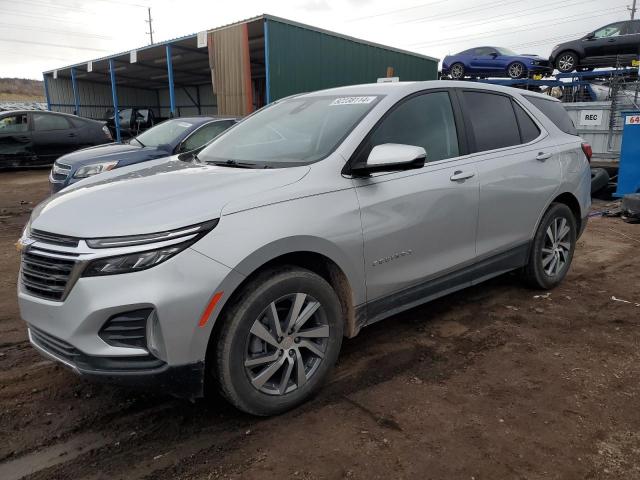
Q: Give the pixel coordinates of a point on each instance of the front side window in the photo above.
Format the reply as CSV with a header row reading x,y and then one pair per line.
x,y
492,120
44,122
14,123
424,121
164,133
484,51
612,30
294,131
204,135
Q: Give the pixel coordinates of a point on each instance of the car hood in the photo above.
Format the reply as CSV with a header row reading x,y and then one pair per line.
x,y
152,197
531,55
123,153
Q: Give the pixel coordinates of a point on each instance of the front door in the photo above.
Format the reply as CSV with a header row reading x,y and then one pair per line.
x,y
417,224
16,147
53,136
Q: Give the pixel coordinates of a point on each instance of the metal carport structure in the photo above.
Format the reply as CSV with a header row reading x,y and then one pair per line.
x,y
229,70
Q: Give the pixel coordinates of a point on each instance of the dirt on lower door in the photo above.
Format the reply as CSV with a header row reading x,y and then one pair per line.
x,y
497,381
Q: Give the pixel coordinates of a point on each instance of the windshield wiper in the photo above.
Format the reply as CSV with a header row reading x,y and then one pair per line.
x,y
234,164
141,144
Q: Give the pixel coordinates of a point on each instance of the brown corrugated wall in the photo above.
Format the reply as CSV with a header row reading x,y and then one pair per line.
x,y
231,70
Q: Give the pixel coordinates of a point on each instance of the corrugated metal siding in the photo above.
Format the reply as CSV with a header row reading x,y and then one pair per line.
x,y
184,105
228,59
302,60
95,98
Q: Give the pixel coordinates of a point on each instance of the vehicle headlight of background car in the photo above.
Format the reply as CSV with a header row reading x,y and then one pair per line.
x,y
94,168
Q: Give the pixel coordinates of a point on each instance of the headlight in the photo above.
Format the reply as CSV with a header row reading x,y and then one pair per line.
x,y
94,168
177,241
134,262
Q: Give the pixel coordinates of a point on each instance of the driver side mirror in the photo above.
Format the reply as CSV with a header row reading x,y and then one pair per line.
x,y
391,157
590,36
494,54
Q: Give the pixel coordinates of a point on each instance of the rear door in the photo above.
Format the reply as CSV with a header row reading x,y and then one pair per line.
x,y
53,136
417,224
518,169
605,44
16,146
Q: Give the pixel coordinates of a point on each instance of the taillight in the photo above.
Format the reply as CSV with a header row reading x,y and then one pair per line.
x,y
588,151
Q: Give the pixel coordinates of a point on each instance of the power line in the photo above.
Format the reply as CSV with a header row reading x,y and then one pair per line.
x,y
397,10
47,44
45,17
50,30
477,8
510,31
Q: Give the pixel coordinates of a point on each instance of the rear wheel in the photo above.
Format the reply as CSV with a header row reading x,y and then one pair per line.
x,y
279,341
552,249
567,62
457,71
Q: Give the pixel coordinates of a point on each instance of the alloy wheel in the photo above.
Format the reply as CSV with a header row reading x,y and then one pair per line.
x,y
557,246
457,71
566,63
286,344
516,70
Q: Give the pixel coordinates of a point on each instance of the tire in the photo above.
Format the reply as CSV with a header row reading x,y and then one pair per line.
x,y
567,62
457,71
253,358
549,261
599,179
516,70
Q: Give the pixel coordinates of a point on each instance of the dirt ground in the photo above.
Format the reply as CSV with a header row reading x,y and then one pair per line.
x,y
497,381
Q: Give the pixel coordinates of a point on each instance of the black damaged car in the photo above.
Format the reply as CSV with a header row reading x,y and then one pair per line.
x,y
37,138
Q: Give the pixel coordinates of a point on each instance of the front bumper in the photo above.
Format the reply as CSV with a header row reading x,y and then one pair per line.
x,y
176,291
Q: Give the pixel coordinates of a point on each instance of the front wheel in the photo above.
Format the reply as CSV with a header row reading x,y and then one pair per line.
x,y
552,248
279,341
567,62
516,70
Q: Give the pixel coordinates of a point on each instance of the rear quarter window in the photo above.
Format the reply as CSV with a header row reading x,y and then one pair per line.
x,y
556,113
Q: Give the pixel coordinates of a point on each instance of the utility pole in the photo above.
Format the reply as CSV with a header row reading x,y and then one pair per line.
x,y
633,10
150,32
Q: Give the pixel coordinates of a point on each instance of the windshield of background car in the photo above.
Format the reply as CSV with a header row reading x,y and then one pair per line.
x,y
295,131
166,132
507,52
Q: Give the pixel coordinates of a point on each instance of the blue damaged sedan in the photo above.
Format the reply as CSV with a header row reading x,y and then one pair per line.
x,y
171,137
493,62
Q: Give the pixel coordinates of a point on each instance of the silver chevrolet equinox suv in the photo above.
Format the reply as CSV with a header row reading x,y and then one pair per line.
x,y
245,266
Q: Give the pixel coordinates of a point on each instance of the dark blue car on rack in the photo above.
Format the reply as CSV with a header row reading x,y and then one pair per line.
x,y
493,62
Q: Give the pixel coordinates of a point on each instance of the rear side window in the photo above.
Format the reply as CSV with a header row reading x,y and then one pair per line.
x,y
492,120
556,113
633,27
423,121
528,129
43,121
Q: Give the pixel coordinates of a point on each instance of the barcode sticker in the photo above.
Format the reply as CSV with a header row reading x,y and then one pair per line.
x,y
352,100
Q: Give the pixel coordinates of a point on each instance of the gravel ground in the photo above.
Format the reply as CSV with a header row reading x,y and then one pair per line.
x,y
496,381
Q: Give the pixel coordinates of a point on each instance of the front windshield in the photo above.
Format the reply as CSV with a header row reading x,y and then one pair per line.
x,y
163,133
506,51
295,131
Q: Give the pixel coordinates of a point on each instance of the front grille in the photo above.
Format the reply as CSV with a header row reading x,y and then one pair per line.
x,y
45,276
127,329
60,171
53,238
54,345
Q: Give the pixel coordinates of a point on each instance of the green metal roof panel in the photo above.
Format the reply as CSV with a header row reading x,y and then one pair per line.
x,y
303,60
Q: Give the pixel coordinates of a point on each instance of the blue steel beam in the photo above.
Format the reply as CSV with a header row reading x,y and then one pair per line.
x,y
76,97
172,93
114,95
267,86
46,91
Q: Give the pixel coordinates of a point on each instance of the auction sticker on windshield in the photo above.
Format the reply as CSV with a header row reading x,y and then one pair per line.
x,y
352,100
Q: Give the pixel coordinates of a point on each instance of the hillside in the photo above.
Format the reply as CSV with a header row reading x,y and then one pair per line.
x,y
21,89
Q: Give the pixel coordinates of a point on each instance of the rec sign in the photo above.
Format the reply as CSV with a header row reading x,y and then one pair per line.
x,y
591,117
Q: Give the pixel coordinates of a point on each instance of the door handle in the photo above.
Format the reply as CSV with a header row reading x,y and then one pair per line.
x,y
460,175
71,135
611,40
542,156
